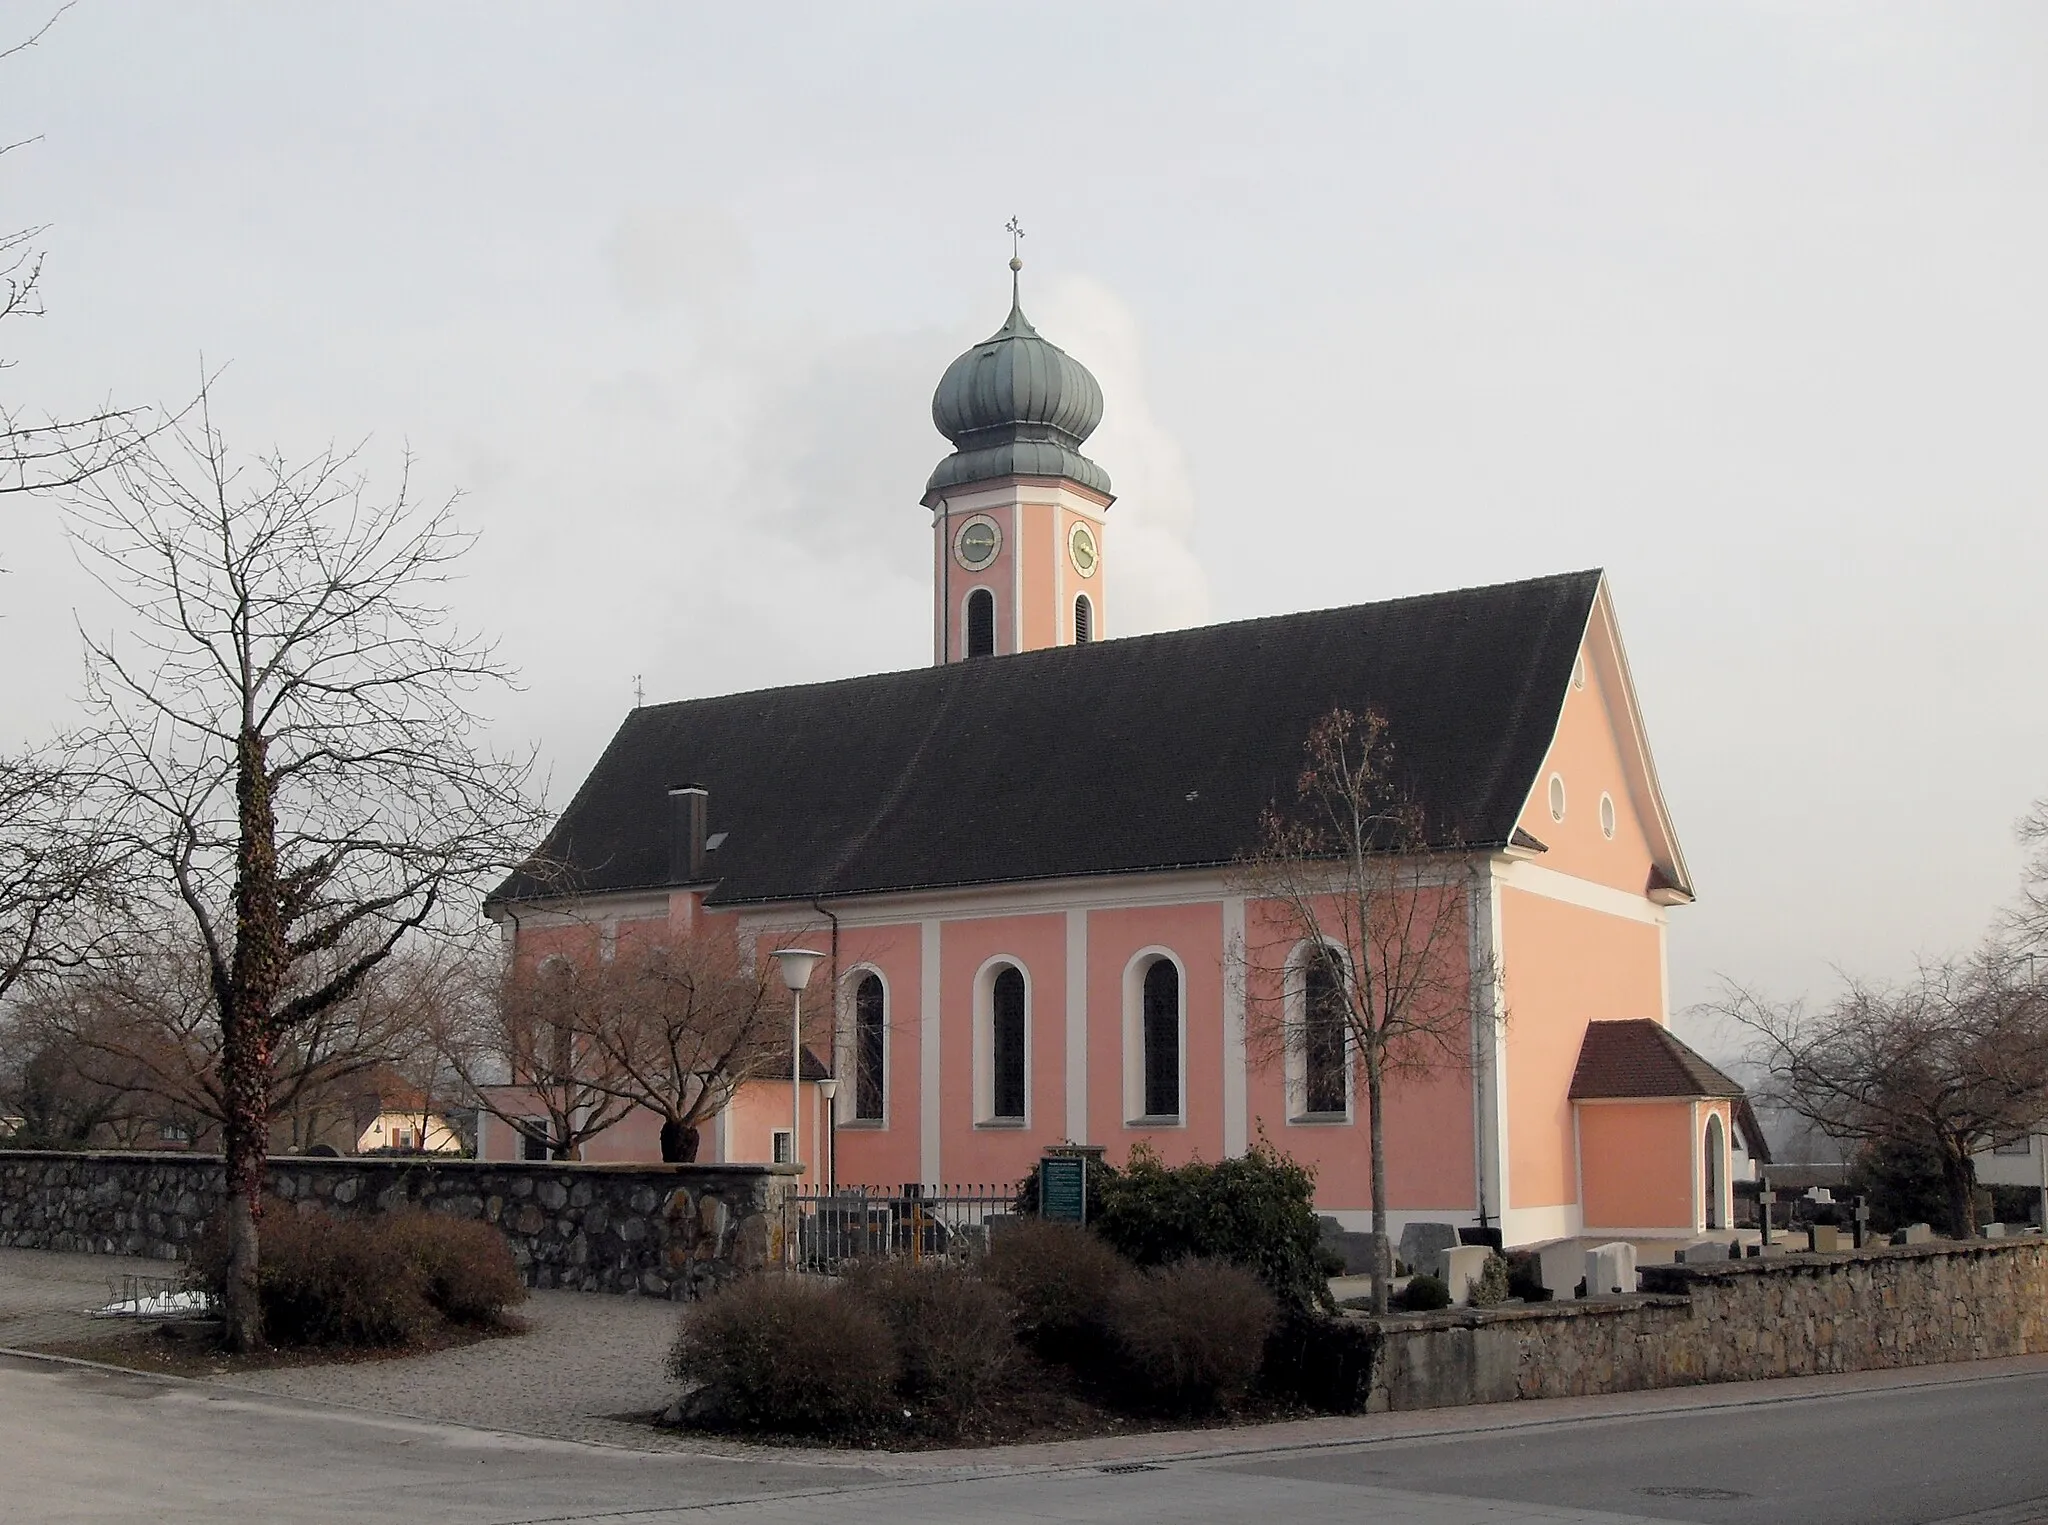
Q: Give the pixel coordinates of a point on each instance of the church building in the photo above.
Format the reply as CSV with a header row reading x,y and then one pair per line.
x,y
1023,864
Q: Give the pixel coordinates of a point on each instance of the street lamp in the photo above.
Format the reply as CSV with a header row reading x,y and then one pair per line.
x,y
827,1089
796,965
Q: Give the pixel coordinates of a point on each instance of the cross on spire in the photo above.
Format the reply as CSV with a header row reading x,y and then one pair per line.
x,y
1016,231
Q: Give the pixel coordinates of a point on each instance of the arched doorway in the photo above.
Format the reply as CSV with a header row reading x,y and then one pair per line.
x,y
1717,1172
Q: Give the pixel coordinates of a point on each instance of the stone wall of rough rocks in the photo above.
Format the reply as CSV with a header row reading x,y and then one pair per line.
x,y
659,1230
1734,1321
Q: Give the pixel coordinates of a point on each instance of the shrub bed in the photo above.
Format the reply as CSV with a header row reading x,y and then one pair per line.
x,y
1193,1335
396,1280
788,1353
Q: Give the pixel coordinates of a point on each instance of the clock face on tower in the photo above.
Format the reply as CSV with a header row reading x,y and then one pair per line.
x,y
1081,549
977,543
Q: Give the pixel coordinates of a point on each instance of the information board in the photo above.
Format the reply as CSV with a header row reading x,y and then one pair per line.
x,y
1063,1190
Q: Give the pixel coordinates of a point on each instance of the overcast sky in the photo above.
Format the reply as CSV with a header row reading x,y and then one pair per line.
x,y
1744,303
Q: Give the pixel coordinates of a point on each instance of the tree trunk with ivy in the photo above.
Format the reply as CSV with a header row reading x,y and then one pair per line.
x,y
285,760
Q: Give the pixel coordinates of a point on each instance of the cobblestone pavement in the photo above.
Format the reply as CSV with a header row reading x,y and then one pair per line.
x,y
44,1296
586,1360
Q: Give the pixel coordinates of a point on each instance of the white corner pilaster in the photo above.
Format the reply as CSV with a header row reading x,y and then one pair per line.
x,y
928,1113
1236,1064
1077,1027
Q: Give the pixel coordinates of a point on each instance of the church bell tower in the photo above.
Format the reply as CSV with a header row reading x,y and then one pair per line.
x,y
1017,511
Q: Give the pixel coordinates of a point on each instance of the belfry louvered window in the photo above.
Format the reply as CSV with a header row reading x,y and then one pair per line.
x,y
1084,620
1006,1045
981,623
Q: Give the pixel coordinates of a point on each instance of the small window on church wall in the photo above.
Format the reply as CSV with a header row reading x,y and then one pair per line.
x,y
1323,1047
870,1032
981,623
1161,1019
1557,797
1084,621
1006,1045
1607,816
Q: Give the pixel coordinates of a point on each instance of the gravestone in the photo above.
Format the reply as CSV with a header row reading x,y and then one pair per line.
x,y
1611,1270
1913,1233
1563,1262
1463,1265
1700,1251
1355,1248
1992,1230
1423,1245
1824,1238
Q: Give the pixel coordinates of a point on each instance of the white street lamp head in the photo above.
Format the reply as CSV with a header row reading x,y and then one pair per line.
x,y
829,1087
797,964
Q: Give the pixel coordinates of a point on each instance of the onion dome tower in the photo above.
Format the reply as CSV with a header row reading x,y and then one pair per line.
x,y
1017,509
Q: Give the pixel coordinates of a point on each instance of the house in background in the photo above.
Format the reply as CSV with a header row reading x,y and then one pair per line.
x,y
1021,862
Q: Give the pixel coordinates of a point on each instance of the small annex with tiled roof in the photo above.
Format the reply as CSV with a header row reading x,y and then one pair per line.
x,y
1641,1093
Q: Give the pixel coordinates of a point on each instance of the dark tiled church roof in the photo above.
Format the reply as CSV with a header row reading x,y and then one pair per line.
x,y
1643,1058
1148,753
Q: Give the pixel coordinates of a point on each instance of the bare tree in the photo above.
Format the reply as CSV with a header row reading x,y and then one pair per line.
x,y
686,1021
1953,1060
39,453
60,882
287,745
2031,919
143,1029
1368,965
523,1047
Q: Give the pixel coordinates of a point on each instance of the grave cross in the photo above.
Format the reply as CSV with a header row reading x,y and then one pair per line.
x,y
1764,1200
1859,1221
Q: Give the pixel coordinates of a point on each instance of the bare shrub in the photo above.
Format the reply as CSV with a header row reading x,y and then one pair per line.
x,y
787,1353
335,1281
1062,1279
372,1282
956,1336
1193,1335
465,1267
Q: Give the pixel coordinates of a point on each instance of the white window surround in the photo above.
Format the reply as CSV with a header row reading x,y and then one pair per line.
x,y
1135,971
844,1036
1294,1016
1083,601
1607,816
984,1041
1557,799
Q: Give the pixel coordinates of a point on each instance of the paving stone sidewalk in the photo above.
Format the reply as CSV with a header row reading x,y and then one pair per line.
x,y
44,1296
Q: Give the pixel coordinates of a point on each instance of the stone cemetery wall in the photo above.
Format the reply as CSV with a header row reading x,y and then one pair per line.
x,y
659,1230
1732,1321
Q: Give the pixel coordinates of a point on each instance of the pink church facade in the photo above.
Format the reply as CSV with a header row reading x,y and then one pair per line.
x,y
1021,866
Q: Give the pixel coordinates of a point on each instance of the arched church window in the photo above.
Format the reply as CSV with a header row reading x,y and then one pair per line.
x,y
1324,1051
1006,1045
1161,1019
981,623
870,1033
1084,620
1716,1172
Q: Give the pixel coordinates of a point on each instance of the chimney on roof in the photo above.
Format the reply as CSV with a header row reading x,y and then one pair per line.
x,y
689,808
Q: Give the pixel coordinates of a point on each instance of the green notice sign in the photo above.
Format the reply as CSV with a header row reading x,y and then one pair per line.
x,y
1063,1190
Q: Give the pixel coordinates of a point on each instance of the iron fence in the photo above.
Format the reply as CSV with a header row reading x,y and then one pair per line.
x,y
826,1229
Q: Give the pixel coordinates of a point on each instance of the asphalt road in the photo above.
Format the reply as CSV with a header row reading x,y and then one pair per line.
x,y
79,1445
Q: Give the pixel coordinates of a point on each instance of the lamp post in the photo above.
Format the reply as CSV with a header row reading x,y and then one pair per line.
x,y
796,966
827,1089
